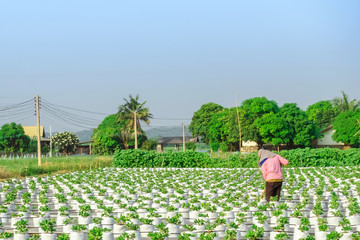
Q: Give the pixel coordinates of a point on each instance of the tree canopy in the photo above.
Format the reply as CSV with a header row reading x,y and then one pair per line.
x,y
199,125
250,111
322,114
346,126
132,112
65,141
13,138
107,136
343,103
303,131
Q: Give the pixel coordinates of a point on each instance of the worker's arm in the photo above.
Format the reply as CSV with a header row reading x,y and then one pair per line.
x,y
283,161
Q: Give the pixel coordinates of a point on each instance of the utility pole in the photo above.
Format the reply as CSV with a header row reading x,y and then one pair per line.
x,y
50,143
38,130
135,130
183,126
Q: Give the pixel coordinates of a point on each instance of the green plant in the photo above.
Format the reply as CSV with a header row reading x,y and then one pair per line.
x,y
79,227
95,233
6,235
230,235
132,226
157,236
282,236
48,225
334,235
126,236
185,236
63,236
22,226
255,233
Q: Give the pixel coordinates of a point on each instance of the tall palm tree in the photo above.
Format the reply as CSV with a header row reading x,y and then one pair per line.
x,y
343,103
133,112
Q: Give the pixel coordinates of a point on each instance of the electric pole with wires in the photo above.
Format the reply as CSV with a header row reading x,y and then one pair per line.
x,y
38,130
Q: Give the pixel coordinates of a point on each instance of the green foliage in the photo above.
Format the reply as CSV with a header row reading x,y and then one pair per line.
x,y
201,118
149,144
273,129
63,236
13,138
346,126
142,158
131,113
322,157
95,233
307,157
65,141
251,110
322,114
190,146
303,131
48,225
343,104
107,136
219,130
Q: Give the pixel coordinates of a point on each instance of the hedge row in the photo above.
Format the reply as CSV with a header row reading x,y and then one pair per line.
x,y
150,159
321,157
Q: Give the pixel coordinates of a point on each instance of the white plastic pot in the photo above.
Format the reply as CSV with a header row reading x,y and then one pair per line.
x,y
108,236
48,236
18,236
77,236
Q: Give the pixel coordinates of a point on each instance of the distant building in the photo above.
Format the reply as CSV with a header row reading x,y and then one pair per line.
x,y
327,141
175,141
32,132
83,148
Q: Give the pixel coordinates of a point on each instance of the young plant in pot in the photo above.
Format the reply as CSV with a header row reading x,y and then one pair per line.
x,y
255,233
84,214
146,225
6,236
126,236
48,227
63,236
68,224
133,229
78,232
21,231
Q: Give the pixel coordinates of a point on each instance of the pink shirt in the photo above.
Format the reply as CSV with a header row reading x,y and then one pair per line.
x,y
271,169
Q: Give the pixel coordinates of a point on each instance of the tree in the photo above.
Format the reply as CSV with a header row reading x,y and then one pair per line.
x,y
201,118
133,112
346,126
303,131
219,130
251,110
13,138
322,114
107,137
65,141
149,144
274,129
343,103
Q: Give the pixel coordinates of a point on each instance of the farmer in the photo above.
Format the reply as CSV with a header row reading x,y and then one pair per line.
x,y
270,165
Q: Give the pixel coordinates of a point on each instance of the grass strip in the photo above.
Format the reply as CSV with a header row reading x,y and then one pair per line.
x,y
26,167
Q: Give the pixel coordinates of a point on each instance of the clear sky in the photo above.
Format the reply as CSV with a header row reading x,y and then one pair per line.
x,y
177,55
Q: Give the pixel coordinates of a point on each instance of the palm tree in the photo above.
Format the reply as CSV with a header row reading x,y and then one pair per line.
x,y
343,103
133,112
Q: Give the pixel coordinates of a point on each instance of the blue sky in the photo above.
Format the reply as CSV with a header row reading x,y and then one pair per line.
x,y
177,55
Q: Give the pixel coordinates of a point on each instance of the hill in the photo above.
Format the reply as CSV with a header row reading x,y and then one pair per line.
x,y
170,131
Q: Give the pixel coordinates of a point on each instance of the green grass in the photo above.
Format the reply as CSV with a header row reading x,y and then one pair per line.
x,y
25,167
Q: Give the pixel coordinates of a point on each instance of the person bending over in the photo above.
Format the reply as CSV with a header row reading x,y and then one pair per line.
x,y
270,165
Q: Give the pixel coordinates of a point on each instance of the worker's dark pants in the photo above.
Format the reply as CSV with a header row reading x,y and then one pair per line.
x,y
273,189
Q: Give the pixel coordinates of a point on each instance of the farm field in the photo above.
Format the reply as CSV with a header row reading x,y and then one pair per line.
x,y
187,203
